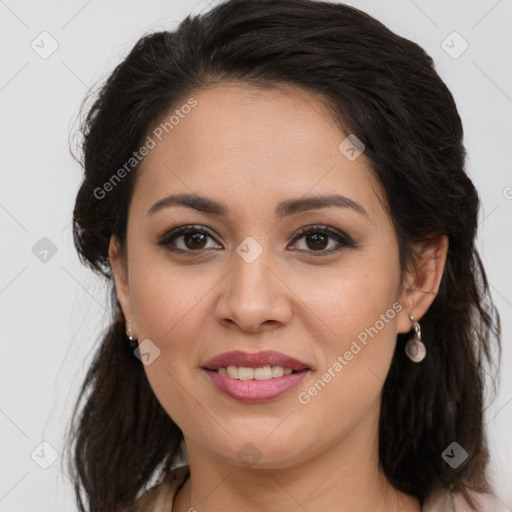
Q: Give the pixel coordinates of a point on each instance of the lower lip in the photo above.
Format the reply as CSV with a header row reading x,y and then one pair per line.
x,y
256,390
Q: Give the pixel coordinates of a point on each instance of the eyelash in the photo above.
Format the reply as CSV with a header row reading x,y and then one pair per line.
x,y
167,236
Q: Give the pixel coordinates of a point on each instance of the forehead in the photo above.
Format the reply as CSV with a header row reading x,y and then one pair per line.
x,y
254,143
258,121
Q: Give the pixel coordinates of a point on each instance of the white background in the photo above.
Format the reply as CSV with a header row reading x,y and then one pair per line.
x,y
51,313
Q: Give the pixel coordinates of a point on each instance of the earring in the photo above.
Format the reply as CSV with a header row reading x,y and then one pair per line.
x,y
133,341
415,348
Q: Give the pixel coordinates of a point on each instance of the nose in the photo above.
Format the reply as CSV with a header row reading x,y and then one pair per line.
x,y
254,297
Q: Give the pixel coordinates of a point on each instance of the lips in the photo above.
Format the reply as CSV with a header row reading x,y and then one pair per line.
x,y
254,360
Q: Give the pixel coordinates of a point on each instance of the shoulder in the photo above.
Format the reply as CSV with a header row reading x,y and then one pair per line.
x,y
159,498
443,500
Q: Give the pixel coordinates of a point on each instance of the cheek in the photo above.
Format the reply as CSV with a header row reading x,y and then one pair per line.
x,y
358,310
165,296
351,297
356,352
170,311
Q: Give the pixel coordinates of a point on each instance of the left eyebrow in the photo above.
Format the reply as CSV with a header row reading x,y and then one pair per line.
x,y
294,206
283,209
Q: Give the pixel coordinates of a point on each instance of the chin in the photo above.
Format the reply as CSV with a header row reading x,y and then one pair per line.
x,y
260,452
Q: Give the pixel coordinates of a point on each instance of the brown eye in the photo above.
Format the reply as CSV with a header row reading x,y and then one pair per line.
x,y
317,241
194,241
322,239
187,239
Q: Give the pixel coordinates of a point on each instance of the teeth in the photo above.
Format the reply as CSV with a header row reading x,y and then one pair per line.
x,y
261,373
245,373
232,372
277,371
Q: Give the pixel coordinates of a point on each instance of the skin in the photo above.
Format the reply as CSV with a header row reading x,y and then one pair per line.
x,y
250,149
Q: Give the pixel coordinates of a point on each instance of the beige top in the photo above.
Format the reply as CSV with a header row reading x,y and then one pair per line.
x,y
161,496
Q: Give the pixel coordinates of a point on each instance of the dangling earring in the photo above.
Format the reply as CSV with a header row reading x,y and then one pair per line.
x,y
414,348
133,341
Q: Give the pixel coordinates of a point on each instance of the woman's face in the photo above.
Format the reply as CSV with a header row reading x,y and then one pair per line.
x,y
264,268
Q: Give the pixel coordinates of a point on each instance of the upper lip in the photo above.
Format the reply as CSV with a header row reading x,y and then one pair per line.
x,y
254,360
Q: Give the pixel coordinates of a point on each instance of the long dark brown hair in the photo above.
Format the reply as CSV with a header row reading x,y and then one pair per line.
x,y
382,88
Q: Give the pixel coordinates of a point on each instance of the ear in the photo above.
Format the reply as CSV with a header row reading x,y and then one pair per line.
x,y
422,280
119,267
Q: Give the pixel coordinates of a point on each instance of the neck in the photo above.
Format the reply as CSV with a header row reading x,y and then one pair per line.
x,y
343,477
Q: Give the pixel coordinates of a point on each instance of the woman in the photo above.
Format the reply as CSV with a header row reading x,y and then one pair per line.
x,y
302,322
